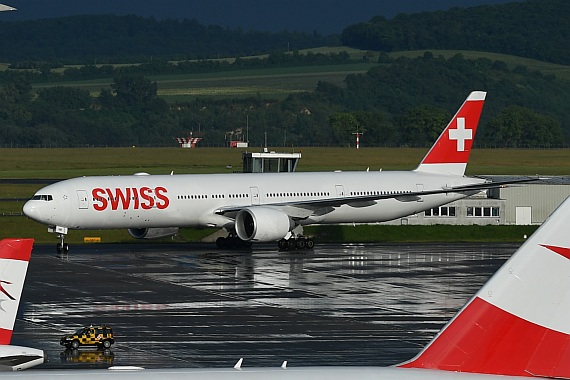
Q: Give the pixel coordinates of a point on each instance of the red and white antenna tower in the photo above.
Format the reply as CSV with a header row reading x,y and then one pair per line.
x,y
358,134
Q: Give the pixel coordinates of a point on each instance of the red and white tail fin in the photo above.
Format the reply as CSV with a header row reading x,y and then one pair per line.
x,y
450,153
14,257
519,322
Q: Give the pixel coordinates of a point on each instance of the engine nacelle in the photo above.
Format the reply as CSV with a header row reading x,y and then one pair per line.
x,y
262,224
152,233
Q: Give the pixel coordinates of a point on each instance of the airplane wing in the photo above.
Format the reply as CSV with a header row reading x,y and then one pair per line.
x,y
304,209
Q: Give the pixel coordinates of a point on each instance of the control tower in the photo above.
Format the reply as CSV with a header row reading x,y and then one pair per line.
x,y
270,162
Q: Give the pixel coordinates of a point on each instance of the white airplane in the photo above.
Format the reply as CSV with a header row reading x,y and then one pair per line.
x,y
515,327
14,258
268,206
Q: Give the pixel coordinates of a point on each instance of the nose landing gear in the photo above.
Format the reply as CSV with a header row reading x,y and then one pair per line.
x,y
61,247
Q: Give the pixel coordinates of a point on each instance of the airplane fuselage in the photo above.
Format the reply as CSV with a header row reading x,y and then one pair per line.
x,y
152,201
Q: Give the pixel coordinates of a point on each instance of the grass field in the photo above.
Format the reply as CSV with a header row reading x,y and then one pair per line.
x,y
72,162
67,163
270,83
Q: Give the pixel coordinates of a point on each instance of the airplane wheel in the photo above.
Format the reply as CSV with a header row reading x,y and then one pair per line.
x,y
62,248
301,243
309,244
291,244
281,244
232,242
221,242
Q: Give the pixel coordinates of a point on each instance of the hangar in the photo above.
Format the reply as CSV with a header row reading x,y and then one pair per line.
x,y
524,204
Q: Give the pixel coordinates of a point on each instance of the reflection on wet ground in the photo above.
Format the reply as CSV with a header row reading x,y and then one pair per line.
x,y
195,306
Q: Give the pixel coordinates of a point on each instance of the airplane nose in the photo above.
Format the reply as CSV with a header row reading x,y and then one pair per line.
x,y
31,210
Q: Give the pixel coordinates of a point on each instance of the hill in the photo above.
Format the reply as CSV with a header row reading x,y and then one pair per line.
x,y
535,29
119,39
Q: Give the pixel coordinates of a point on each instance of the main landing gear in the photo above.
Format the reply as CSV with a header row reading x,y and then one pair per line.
x,y
232,242
293,243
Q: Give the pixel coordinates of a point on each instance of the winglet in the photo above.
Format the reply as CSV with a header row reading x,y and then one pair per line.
x,y
238,364
14,257
450,153
517,324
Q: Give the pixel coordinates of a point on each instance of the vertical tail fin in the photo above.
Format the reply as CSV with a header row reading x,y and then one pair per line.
x,y
14,257
519,322
450,153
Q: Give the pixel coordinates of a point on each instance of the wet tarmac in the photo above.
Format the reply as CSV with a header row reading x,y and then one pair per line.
x,y
176,305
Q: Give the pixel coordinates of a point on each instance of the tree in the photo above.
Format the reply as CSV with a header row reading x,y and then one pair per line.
x,y
137,92
421,126
344,125
66,98
518,126
14,100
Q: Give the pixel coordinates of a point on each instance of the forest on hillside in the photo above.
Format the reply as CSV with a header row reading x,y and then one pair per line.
x,y
401,102
100,39
536,29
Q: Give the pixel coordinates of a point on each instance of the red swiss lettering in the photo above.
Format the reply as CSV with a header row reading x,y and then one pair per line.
x,y
131,197
163,200
99,200
136,196
147,199
119,198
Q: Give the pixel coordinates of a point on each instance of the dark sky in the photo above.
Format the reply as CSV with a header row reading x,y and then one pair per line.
x,y
324,16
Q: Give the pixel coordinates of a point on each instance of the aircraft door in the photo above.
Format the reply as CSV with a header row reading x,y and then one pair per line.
x,y
82,198
339,190
420,187
254,195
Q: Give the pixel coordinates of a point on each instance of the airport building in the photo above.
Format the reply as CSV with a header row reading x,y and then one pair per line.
x,y
522,204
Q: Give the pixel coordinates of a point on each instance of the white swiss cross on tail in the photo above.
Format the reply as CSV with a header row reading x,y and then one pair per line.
x,y
460,134
450,153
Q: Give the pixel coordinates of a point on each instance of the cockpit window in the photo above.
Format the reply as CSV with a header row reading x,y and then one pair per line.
x,y
39,197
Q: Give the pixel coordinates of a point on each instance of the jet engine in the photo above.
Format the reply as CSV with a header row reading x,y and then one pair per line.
x,y
152,233
262,224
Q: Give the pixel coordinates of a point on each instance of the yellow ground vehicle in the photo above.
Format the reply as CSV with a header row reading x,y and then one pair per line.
x,y
100,336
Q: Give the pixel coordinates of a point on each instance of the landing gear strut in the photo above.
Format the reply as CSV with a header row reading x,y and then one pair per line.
x,y
61,247
293,243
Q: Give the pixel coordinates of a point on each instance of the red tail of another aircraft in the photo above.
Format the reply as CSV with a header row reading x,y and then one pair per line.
x,y
14,257
518,323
